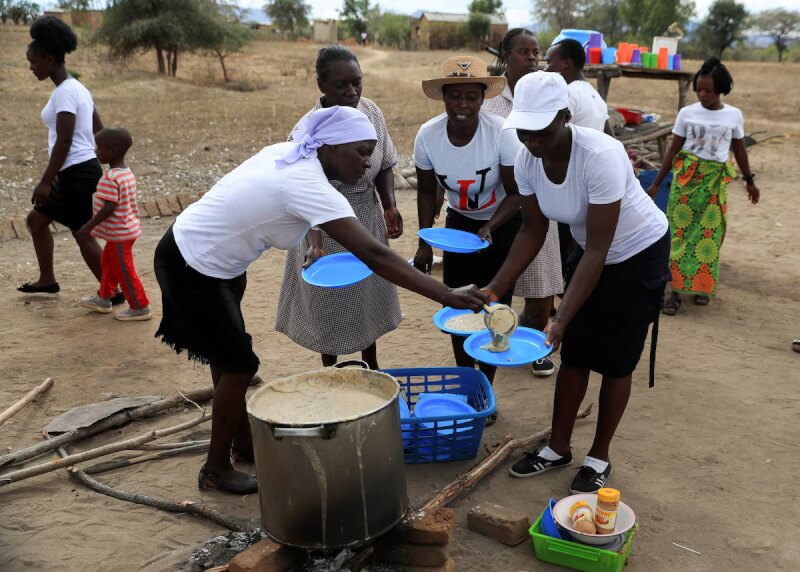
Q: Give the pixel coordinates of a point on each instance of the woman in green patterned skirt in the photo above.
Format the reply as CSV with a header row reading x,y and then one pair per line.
x,y
703,136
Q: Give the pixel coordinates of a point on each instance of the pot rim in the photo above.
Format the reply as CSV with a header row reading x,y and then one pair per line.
x,y
362,415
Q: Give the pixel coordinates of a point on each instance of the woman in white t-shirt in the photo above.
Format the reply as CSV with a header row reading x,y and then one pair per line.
x,y
64,193
703,136
583,177
271,200
467,153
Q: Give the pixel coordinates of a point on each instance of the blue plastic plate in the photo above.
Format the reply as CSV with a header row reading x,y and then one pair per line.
x,y
527,345
441,318
336,271
443,405
452,240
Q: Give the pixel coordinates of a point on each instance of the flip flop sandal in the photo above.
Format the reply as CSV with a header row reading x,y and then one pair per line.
x,y
29,288
701,300
671,306
796,346
208,480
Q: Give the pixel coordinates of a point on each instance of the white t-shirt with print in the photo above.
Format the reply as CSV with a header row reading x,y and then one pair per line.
x,y
253,208
70,96
586,106
470,174
709,133
599,173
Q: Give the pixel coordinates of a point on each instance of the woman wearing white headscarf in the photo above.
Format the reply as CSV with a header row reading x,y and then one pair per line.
x,y
271,200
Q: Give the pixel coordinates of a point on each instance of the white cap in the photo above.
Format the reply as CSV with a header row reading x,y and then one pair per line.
x,y
538,97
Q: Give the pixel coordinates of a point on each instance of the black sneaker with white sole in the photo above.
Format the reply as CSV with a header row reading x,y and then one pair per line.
x,y
543,367
588,480
532,464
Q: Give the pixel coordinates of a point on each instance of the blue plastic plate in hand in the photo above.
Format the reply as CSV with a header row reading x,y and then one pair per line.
x,y
443,405
336,271
444,315
452,240
526,346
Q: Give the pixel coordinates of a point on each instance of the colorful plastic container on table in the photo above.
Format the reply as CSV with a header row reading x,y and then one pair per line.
x,y
676,62
631,116
609,55
636,57
579,35
435,439
595,40
663,59
595,55
579,556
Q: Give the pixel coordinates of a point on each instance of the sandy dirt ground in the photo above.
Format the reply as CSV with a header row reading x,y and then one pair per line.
x,y
705,459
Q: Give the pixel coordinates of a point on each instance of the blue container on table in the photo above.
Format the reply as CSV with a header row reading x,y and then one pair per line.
x,y
581,36
447,437
646,179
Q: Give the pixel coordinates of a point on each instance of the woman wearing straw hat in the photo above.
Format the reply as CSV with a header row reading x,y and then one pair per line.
x,y
583,177
270,200
466,151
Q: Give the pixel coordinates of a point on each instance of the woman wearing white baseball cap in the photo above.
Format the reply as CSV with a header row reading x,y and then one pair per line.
x,y
583,177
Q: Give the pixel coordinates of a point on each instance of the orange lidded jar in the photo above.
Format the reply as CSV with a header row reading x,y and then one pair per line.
x,y
605,515
582,517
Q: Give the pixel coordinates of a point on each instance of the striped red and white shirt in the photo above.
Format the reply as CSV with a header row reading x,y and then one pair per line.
x,y
118,186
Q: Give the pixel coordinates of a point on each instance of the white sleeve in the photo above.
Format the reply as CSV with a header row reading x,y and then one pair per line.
x,y
605,177
421,158
523,172
738,131
65,100
317,202
572,102
509,147
680,123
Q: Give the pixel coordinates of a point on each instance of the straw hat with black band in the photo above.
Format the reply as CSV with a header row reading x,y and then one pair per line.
x,y
464,69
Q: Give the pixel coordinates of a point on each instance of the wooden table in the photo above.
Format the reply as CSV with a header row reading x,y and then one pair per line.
x,y
605,73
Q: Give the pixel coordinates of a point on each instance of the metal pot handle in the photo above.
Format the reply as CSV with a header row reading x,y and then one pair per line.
x,y
351,362
321,431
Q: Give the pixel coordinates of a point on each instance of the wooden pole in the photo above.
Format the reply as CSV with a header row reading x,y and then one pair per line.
x,y
112,422
36,470
130,461
468,480
30,396
186,506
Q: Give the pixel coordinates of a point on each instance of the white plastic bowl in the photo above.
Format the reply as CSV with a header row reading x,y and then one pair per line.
x,y
625,520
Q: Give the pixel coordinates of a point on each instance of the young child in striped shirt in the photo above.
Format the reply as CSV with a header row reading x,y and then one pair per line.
x,y
116,220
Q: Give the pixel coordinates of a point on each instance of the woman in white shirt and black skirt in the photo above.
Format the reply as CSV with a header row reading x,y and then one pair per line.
x,y
582,177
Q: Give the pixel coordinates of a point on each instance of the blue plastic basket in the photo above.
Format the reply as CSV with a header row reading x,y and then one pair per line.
x,y
445,438
646,179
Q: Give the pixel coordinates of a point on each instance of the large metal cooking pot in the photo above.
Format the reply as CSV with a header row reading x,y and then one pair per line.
x,y
336,482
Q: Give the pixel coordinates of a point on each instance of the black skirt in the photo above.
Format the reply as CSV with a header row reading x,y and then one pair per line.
x,y
608,333
478,267
202,315
71,194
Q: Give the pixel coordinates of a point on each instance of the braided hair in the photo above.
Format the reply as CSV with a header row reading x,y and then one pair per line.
x,y
52,37
504,48
719,74
330,54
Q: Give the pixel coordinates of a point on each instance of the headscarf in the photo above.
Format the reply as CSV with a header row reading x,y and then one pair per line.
x,y
327,126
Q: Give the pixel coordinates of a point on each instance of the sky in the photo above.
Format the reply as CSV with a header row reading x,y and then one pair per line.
x,y
518,12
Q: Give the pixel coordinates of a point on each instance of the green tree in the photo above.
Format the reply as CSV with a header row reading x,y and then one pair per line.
x,y
21,11
782,25
289,16
76,5
394,30
228,36
4,6
486,7
478,27
723,26
166,26
605,16
560,14
355,15
644,19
